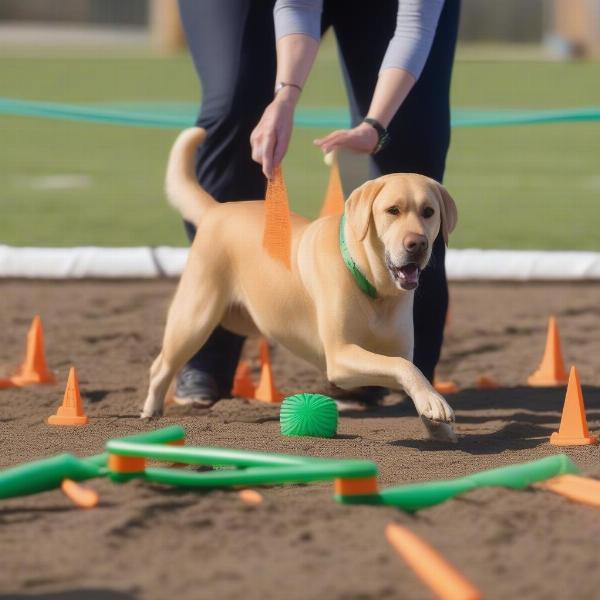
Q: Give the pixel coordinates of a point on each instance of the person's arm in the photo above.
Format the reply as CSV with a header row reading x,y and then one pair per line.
x,y
298,31
401,67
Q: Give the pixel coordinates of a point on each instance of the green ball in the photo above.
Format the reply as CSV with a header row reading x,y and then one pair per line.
x,y
309,415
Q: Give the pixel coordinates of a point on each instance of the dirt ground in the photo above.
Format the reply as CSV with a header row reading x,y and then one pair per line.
x,y
146,541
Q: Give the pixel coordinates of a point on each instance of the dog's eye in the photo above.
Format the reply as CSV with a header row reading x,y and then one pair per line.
x,y
393,210
428,212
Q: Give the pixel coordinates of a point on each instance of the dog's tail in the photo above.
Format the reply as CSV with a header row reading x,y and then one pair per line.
x,y
183,190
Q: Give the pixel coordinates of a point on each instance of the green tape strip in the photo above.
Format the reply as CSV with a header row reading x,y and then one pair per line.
x,y
179,115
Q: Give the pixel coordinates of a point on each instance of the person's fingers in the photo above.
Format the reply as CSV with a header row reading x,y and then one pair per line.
x,y
340,140
281,144
328,137
267,155
256,150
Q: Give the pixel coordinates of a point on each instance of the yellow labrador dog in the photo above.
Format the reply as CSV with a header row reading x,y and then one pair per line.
x,y
346,306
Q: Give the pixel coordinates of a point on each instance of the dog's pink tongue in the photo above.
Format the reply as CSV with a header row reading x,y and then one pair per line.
x,y
410,273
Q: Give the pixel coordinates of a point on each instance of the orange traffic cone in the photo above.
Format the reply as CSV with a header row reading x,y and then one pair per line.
x,y
71,410
573,430
551,371
277,233
267,390
34,368
243,386
333,204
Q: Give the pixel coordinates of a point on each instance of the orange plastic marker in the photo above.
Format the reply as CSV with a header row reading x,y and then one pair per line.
x,y
574,487
34,368
445,387
551,371
277,233
333,204
486,383
430,566
79,495
243,386
573,430
251,497
71,410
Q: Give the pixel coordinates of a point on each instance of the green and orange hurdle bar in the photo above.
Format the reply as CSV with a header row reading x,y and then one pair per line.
x,y
355,480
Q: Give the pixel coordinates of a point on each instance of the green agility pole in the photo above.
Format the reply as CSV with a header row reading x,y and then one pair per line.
x,y
256,468
299,473
414,497
48,473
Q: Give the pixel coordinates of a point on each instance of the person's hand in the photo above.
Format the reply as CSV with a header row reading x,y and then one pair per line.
x,y
271,137
362,139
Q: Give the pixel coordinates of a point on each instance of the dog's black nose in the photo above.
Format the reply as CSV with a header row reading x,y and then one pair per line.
x,y
415,243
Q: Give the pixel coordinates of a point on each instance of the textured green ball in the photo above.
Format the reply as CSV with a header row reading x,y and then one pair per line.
x,y
312,415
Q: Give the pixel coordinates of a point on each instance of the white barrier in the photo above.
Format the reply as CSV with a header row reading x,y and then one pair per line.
x,y
165,261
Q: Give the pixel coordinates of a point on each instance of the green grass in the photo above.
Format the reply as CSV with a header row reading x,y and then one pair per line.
x,y
516,187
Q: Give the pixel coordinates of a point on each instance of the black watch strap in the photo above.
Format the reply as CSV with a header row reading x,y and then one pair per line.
x,y
382,134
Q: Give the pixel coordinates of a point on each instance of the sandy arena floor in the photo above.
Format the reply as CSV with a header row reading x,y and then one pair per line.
x,y
144,541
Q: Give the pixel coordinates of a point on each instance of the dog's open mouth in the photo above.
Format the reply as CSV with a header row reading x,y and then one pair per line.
x,y
407,276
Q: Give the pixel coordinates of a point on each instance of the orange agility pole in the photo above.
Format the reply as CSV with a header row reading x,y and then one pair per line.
x,y
71,410
333,204
573,430
34,368
277,233
243,386
551,371
79,495
430,566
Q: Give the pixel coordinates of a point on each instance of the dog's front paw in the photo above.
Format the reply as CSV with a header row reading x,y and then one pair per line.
x,y
432,406
151,414
438,430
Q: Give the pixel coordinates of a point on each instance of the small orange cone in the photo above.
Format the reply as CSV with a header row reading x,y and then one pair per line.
x,y
486,383
277,232
333,204
551,371
71,410
243,386
34,368
445,387
573,430
267,390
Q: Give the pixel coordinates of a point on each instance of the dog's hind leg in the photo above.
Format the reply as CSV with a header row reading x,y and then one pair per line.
x,y
192,317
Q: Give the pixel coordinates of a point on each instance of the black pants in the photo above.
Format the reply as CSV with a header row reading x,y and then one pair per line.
x,y
233,48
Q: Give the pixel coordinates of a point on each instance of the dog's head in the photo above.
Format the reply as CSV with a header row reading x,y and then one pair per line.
x,y
402,214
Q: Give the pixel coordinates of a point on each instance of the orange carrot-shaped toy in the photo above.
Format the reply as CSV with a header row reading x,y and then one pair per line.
x,y
277,233
333,204
79,495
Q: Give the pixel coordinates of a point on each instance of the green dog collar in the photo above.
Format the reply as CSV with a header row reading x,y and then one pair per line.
x,y
361,281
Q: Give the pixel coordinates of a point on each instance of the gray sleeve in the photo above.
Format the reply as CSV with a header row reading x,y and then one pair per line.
x,y
415,28
298,16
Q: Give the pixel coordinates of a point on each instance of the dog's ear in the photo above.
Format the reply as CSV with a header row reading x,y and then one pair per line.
x,y
360,205
448,211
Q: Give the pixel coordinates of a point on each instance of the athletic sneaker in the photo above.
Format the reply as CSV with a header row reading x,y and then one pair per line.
x,y
196,388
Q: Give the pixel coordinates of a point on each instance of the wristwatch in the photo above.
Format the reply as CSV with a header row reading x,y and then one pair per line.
x,y
281,84
382,134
